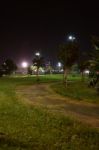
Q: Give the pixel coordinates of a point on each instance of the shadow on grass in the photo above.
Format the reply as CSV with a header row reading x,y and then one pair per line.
x,y
7,141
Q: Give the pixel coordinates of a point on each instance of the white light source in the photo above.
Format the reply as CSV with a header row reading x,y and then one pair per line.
x,y
24,64
71,38
59,64
87,71
37,54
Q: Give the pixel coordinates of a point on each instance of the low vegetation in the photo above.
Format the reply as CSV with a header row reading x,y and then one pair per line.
x,y
78,91
26,127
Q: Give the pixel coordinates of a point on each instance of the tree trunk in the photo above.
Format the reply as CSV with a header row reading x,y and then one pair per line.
x,y
65,76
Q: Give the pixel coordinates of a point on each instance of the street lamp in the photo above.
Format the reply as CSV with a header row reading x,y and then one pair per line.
x,y
59,64
24,64
71,38
37,54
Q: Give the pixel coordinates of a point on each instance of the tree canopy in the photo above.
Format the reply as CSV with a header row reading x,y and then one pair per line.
x,y
68,55
94,56
38,61
9,66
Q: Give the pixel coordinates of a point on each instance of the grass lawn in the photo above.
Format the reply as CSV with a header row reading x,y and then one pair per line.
x,y
26,127
77,90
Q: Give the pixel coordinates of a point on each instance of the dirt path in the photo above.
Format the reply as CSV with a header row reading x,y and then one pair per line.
x,y
42,94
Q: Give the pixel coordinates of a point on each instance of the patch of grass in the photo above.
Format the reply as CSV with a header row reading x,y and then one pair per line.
x,y
31,79
77,90
24,127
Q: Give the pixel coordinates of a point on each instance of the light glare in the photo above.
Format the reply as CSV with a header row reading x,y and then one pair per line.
x,y
87,71
24,64
59,64
71,38
37,54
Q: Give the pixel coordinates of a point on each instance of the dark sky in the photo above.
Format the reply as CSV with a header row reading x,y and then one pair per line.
x,y
28,26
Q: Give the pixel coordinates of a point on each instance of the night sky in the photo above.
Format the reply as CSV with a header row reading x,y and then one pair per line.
x,y
30,26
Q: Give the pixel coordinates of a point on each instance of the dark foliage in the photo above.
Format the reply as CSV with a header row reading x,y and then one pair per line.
x,y
68,53
9,66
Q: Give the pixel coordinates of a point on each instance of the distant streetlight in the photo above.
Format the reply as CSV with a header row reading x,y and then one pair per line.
x,y
37,54
86,71
59,64
71,38
24,64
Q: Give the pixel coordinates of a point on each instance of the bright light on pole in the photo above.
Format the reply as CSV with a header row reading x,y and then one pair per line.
x,y
71,38
87,71
59,64
59,67
24,64
37,54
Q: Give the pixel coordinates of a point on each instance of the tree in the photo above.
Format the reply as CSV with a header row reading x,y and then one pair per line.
x,y
29,70
68,55
38,61
94,63
94,56
74,69
9,66
48,68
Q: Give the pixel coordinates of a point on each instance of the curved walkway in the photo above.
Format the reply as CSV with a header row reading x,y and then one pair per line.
x,y
42,94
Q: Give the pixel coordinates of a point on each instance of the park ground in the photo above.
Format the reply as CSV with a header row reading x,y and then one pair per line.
x,y
46,115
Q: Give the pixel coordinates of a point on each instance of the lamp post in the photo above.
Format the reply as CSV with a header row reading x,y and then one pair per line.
x,y
24,65
59,66
37,54
71,38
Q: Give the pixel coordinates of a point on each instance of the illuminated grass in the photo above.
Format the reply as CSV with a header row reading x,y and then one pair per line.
x,y
77,90
25,127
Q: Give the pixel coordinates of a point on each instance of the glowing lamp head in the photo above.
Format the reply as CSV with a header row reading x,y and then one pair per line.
x,y
24,64
87,71
71,38
59,64
37,54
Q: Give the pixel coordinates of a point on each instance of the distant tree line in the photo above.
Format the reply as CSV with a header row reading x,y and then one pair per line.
x,y
8,67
